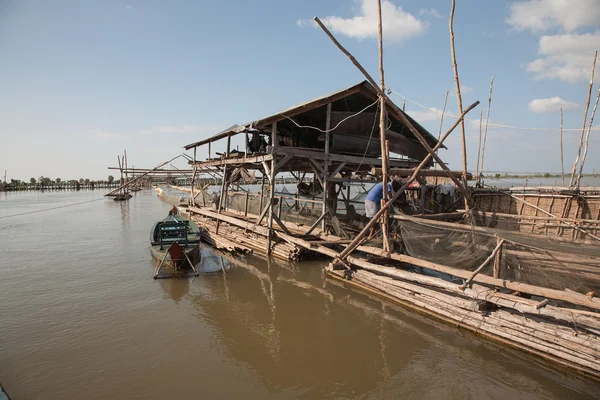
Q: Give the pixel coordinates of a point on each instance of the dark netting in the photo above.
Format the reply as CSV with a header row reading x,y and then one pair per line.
x,y
536,260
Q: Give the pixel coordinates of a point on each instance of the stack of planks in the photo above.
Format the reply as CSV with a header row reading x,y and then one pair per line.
x,y
234,239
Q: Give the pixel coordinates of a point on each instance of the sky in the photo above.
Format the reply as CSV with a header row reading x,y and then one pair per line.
x,y
84,80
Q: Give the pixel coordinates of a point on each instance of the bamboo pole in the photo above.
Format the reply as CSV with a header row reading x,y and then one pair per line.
x,y
484,263
382,120
587,106
400,115
375,218
562,164
477,172
441,121
587,138
487,119
458,96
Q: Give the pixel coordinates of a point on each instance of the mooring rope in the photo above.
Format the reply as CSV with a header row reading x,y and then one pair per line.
x,y
51,208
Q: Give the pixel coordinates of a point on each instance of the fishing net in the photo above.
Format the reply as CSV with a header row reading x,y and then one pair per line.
x,y
537,260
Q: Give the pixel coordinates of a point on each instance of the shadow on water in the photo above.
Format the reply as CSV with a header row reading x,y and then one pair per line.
x,y
308,337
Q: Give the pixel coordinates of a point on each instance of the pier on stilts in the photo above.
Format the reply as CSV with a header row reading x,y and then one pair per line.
x,y
520,267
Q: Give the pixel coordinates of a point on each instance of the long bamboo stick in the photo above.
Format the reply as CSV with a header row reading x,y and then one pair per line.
x,y
441,120
477,173
382,121
458,95
562,163
487,119
587,139
587,107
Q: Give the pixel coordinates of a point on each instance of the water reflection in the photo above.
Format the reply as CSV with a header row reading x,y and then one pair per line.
x,y
176,289
321,342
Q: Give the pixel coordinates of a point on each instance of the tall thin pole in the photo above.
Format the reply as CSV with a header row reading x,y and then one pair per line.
x,y
587,139
442,122
382,115
487,120
458,98
587,107
562,164
479,144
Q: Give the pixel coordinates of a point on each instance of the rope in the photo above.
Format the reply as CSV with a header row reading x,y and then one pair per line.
x,y
50,209
339,123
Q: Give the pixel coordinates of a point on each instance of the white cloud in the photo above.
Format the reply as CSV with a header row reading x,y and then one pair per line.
x,y
129,7
541,15
429,114
551,105
566,57
431,11
398,25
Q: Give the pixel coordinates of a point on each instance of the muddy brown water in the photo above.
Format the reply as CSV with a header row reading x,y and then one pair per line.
x,y
82,318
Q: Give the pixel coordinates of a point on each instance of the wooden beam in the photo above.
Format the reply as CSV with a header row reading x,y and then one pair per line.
x,y
282,162
337,170
233,160
424,172
320,155
267,171
280,223
231,220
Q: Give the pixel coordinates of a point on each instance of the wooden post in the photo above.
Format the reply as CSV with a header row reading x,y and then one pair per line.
x,y
562,164
246,142
209,151
587,107
246,204
458,98
228,145
498,258
326,166
222,197
272,191
382,120
280,207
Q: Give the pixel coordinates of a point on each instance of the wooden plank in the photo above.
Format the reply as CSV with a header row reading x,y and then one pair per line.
x,y
404,172
281,163
267,171
356,160
233,160
231,220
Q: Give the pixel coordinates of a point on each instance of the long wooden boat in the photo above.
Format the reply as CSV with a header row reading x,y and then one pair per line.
x,y
175,245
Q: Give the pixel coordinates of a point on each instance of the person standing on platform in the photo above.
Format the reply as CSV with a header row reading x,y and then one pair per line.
x,y
373,201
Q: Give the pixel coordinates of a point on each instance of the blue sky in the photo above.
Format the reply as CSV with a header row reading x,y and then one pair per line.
x,y
83,80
